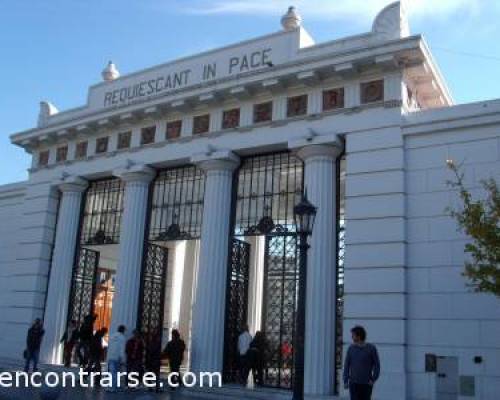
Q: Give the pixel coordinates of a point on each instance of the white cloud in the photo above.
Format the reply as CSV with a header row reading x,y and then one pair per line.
x,y
331,9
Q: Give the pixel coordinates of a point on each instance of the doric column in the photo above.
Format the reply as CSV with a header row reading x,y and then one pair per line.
x,y
56,309
209,307
320,182
132,235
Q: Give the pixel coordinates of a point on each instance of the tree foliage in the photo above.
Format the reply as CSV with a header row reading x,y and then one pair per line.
x,y
480,220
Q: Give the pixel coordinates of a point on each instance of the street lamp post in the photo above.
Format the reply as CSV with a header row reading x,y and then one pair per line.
x,y
304,214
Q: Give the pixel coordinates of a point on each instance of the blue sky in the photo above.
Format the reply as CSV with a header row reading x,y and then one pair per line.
x,y
54,49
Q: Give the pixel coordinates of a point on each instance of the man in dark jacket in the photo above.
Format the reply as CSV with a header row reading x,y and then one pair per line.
x,y
96,351
361,367
135,354
174,352
33,342
85,335
69,340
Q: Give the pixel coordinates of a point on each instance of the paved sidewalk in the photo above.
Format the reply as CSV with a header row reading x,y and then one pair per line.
x,y
86,394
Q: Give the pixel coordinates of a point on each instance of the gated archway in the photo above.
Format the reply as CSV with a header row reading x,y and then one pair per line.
x,y
266,189
175,214
100,224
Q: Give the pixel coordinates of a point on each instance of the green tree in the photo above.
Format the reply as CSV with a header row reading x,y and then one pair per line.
x,y
480,220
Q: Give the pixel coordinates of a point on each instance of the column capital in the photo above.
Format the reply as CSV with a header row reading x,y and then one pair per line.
x,y
135,173
72,184
224,160
317,146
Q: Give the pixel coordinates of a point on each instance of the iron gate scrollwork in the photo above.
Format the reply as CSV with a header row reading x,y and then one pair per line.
x,y
177,204
151,307
236,306
83,285
281,282
102,212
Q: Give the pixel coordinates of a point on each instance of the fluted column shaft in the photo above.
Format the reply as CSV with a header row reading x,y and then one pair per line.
x,y
209,306
320,182
132,236
56,309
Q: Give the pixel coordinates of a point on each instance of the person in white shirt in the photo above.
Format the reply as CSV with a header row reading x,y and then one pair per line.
x,y
116,355
244,341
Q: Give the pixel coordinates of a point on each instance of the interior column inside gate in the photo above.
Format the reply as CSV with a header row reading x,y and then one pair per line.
x,y
56,310
320,157
209,305
128,275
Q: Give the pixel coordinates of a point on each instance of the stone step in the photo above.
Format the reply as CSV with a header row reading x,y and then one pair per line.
x,y
238,392
234,392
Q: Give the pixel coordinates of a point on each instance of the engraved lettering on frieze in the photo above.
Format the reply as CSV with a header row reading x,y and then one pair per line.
x,y
189,76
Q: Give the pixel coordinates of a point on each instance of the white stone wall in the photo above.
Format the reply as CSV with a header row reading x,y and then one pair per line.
x,y
375,283
27,230
444,317
404,255
11,202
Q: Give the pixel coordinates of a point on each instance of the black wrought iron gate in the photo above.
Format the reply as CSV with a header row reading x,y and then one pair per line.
x,y
152,300
281,279
83,285
236,305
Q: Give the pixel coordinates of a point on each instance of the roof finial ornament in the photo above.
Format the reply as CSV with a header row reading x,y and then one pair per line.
x,y
291,20
110,73
47,109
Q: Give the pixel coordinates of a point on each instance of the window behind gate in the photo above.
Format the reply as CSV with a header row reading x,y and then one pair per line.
x,y
269,186
177,204
102,212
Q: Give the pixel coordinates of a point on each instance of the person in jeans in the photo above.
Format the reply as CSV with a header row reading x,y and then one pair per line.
x,y
244,341
361,367
116,356
33,342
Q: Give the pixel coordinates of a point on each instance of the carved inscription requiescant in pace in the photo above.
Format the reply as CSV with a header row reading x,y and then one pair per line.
x,y
164,83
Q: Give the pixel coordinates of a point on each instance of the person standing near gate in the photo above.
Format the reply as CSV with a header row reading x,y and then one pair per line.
x,y
135,354
361,367
69,340
96,351
174,352
256,356
33,342
85,337
244,341
116,356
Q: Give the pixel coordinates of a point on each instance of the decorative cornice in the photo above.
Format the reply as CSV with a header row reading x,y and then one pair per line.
x,y
218,160
135,173
69,184
317,145
319,62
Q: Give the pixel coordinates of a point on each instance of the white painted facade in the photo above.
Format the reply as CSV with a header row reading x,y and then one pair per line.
x,y
403,256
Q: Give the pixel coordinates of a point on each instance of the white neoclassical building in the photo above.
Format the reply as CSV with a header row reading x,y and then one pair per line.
x,y
166,201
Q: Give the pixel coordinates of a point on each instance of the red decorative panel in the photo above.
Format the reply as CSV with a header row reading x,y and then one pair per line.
x,y
62,153
81,150
174,129
124,140
101,145
296,106
231,118
263,112
372,91
333,99
201,124
43,158
148,135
